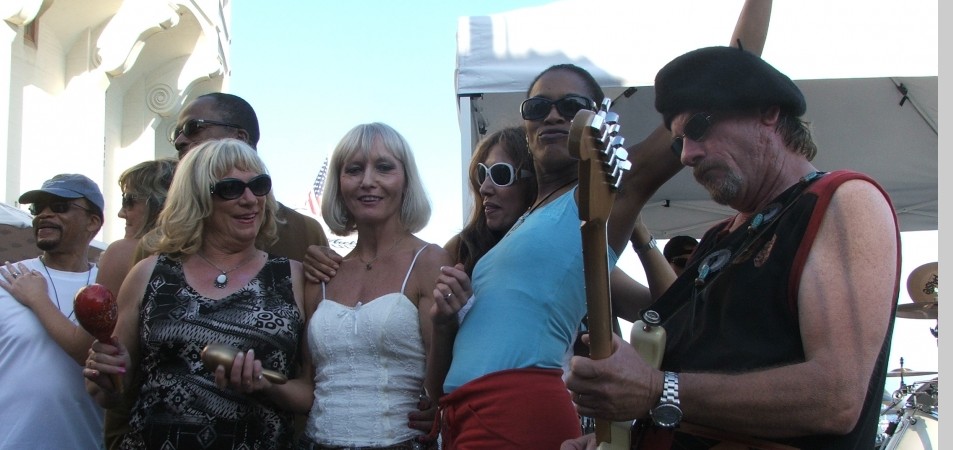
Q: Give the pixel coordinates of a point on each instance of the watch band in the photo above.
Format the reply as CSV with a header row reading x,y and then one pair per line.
x,y
667,413
647,246
670,389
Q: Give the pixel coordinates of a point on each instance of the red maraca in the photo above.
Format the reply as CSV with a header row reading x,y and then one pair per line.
x,y
95,308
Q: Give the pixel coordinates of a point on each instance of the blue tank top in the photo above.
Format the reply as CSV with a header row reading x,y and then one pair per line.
x,y
530,297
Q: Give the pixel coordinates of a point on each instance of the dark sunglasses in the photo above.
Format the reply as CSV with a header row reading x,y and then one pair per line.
x,y
537,108
232,188
501,174
129,200
695,129
192,126
58,207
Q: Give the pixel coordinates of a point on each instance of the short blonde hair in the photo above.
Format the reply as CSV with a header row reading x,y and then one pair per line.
x,y
415,207
181,223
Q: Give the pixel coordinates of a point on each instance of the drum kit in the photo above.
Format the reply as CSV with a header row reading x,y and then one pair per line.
x,y
912,414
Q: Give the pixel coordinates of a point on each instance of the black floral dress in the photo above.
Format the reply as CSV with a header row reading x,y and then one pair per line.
x,y
179,405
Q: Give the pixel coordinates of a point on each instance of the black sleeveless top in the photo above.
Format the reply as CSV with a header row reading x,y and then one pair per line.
x,y
742,315
179,405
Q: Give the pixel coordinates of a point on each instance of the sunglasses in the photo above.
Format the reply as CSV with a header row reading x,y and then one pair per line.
x,y
192,126
501,174
232,188
58,207
695,129
537,108
680,261
129,200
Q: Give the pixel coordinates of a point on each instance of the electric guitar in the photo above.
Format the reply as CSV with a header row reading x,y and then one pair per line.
x,y
594,139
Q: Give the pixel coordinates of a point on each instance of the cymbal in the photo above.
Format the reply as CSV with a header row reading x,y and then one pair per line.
x,y
908,373
918,310
923,284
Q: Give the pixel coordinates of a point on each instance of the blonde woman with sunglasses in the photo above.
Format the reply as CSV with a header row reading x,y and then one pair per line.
x,y
209,283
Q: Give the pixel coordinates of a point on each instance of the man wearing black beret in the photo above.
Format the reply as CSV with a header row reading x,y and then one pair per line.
x,y
779,329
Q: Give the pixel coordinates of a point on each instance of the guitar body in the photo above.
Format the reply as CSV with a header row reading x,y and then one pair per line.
x,y
649,341
620,435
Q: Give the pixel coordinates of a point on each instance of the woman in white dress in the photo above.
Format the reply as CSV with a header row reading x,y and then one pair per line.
x,y
369,326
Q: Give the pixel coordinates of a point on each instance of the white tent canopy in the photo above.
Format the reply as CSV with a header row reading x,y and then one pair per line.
x,y
867,68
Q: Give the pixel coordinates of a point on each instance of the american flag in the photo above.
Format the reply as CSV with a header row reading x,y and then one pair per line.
x,y
314,196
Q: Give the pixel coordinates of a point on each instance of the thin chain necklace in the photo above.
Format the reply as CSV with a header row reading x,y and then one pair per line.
x,y
222,279
367,264
56,295
538,204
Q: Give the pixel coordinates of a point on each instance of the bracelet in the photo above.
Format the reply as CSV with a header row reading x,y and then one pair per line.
x,y
645,247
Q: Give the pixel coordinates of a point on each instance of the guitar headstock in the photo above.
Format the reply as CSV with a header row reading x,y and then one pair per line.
x,y
594,139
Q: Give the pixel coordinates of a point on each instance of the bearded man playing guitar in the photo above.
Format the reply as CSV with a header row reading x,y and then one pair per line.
x,y
779,329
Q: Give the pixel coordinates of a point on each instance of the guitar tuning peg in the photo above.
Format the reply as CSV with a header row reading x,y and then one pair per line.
x,y
606,104
612,117
618,181
625,164
617,141
620,152
616,174
597,122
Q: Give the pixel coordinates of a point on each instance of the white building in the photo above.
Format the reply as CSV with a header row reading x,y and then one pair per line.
x,y
94,86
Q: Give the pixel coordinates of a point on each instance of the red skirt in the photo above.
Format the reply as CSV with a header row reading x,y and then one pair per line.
x,y
510,409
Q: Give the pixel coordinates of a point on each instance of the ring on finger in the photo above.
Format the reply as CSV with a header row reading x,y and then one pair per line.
x,y
259,377
447,297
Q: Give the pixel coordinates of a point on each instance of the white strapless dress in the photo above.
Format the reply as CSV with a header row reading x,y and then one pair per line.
x,y
369,365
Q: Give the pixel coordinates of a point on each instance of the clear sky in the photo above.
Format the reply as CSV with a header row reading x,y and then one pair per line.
x,y
314,74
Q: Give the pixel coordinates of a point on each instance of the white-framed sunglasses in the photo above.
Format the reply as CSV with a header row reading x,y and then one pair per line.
x,y
501,174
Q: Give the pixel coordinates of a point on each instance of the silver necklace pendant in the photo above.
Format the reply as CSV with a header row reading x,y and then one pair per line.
x,y
221,280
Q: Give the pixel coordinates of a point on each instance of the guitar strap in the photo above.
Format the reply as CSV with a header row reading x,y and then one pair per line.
x,y
758,231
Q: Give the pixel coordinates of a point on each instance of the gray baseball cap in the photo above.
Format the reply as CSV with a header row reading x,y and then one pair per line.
x,y
68,185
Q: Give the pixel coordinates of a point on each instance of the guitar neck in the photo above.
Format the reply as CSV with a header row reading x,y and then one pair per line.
x,y
595,258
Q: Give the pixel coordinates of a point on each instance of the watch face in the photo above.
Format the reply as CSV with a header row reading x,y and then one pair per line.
x,y
666,415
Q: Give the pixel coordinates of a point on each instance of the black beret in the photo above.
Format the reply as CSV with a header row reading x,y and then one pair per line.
x,y
723,79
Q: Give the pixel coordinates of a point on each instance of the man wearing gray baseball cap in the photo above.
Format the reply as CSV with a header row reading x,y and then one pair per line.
x,y
44,347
